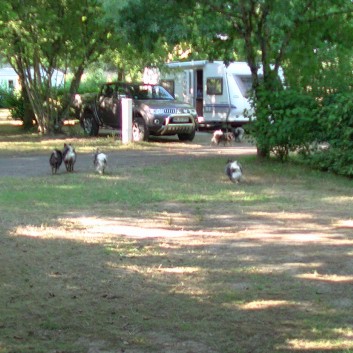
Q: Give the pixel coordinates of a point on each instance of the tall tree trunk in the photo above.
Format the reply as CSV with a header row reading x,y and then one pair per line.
x,y
28,115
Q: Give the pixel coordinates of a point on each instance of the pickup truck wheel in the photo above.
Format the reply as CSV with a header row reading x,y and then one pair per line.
x,y
187,137
139,130
89,124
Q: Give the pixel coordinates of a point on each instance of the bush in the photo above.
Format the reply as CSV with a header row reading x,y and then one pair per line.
x,y
285,121
336,120
13,101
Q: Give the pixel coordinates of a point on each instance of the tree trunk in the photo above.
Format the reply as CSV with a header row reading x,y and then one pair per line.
x,y
28,115
262,152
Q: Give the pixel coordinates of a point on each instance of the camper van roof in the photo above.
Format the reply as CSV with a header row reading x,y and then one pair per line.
x,y
236,67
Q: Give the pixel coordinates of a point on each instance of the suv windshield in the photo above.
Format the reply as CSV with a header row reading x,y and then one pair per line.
x,y
150,92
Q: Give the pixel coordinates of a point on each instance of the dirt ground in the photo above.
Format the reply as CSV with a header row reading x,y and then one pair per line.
x,y
32,165
302,257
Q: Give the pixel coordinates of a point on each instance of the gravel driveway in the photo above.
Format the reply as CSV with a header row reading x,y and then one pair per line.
x,y
31,165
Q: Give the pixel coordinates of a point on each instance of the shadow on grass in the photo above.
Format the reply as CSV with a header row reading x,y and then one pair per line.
x,y
182,261
251,291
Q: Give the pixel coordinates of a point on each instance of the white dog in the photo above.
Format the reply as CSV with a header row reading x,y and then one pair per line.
x,y
234,171
100,161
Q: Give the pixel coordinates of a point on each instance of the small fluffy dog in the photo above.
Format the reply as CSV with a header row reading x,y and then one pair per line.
x,y
234,171
55,160
69,157
220,136
100,161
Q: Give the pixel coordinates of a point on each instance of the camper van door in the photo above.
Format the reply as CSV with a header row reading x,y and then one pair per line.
x,y
216,97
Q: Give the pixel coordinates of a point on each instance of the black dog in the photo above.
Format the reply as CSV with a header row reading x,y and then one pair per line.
x,y
238,134
55,160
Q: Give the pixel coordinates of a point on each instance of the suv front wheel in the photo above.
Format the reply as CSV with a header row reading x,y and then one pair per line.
x,y
89,124
139,130
187,137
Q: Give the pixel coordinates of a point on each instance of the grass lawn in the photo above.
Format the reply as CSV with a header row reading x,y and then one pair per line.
x,y
175,258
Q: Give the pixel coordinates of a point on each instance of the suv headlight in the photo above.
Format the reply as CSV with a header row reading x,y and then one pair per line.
x,y
156,111
193,111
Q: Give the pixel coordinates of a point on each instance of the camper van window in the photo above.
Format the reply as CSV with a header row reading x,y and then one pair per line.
x,y
168,85
244,83
214,86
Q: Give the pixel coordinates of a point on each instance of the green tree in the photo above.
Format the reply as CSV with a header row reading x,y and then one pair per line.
x,y
40,37
268,34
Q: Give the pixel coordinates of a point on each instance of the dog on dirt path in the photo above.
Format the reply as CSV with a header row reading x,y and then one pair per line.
x,y
238,133
69,157
55,160
220,136
100,161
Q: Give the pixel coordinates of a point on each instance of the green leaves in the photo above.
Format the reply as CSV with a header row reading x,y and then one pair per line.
x,y
285,121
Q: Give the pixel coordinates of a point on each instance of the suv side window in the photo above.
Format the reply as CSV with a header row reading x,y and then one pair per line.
x,y
121,92
107,91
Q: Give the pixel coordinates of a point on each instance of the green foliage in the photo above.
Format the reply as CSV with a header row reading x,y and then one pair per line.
x,y
13,101
3,95
336,120
45,36
285,121
325,63
89,84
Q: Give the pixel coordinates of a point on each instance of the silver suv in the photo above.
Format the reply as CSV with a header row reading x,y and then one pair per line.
x,y
155,112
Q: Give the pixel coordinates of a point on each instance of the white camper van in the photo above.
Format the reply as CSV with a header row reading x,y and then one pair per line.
x,y
218,92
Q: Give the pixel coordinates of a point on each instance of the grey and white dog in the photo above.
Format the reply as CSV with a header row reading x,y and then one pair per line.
x,y
234,171
69,157
100,161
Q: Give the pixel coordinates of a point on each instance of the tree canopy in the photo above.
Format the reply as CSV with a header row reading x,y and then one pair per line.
x,y
310,39
40,37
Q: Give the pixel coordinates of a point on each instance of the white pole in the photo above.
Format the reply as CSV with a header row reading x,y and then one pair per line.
x,y
126,128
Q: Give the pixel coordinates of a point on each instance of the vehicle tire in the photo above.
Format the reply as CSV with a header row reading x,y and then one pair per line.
x,y
139,130
187,137
89,124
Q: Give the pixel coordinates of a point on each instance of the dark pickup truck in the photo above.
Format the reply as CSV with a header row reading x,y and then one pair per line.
x,y
155,112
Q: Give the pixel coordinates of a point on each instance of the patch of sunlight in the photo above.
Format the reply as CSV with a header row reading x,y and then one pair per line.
x,y
66,187
95,229
114,227
346,332
344,223
338,199
326,278
302,345
283,215
178,270
265,304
